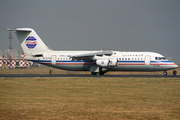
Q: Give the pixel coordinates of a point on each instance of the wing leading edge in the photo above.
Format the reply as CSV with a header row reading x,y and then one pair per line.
x,y
101,53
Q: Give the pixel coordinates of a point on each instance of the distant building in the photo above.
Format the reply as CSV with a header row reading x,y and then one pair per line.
x,y
11,59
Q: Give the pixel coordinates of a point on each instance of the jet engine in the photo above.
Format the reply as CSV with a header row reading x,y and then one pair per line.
x,y
113,62
102,63
107,62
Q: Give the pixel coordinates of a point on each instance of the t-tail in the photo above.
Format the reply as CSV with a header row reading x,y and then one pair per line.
x,y
30,42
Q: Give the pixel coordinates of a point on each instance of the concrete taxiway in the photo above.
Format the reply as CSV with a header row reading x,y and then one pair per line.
x,y
75,75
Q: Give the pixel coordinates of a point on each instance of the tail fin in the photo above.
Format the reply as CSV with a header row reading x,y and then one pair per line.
x,y
30,42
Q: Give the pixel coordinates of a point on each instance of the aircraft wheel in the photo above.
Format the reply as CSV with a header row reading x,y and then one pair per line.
x,y
174,72
165,73
93,73
101,73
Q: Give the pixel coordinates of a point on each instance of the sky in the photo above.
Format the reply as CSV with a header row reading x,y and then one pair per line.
x,y
122,25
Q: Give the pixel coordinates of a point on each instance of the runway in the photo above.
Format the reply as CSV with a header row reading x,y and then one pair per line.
x,y
74,75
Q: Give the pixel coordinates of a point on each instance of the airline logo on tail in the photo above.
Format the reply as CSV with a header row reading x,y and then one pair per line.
x,y
31,42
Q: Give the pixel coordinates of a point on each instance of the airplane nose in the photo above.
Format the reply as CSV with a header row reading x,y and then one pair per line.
x,y
172,66
176,66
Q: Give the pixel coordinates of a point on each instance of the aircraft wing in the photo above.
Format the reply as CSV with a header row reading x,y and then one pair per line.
x,y
100,53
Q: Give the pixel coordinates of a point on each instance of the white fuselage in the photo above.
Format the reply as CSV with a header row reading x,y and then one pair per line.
x,y
126,61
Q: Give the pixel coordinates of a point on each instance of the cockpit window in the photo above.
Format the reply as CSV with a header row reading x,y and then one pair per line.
x,y
163,58
160,58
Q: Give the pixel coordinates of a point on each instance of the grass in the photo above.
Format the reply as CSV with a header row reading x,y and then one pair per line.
x,y
90,98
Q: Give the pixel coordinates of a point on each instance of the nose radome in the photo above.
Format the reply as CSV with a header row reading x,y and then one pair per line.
x,y
176,66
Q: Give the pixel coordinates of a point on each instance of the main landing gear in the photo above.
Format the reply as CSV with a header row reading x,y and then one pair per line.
x,y
94,69
174,73
95,73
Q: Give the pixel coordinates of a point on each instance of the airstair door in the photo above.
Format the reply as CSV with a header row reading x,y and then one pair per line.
x,y
147,59
53,59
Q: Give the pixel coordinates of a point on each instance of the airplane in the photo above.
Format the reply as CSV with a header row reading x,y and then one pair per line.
x,y
97,62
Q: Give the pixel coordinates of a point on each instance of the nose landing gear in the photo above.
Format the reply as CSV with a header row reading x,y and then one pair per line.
x,y
165,73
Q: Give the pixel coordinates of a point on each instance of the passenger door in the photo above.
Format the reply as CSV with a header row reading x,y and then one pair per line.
x,y
147,59
53,59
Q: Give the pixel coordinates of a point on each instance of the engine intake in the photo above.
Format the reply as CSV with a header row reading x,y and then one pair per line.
x,y
113,62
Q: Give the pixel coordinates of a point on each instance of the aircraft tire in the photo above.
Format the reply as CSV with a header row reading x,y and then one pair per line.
x,y
93,73
174,72
165,73
101,73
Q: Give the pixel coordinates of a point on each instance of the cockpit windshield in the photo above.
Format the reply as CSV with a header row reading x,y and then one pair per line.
x,y
160,58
